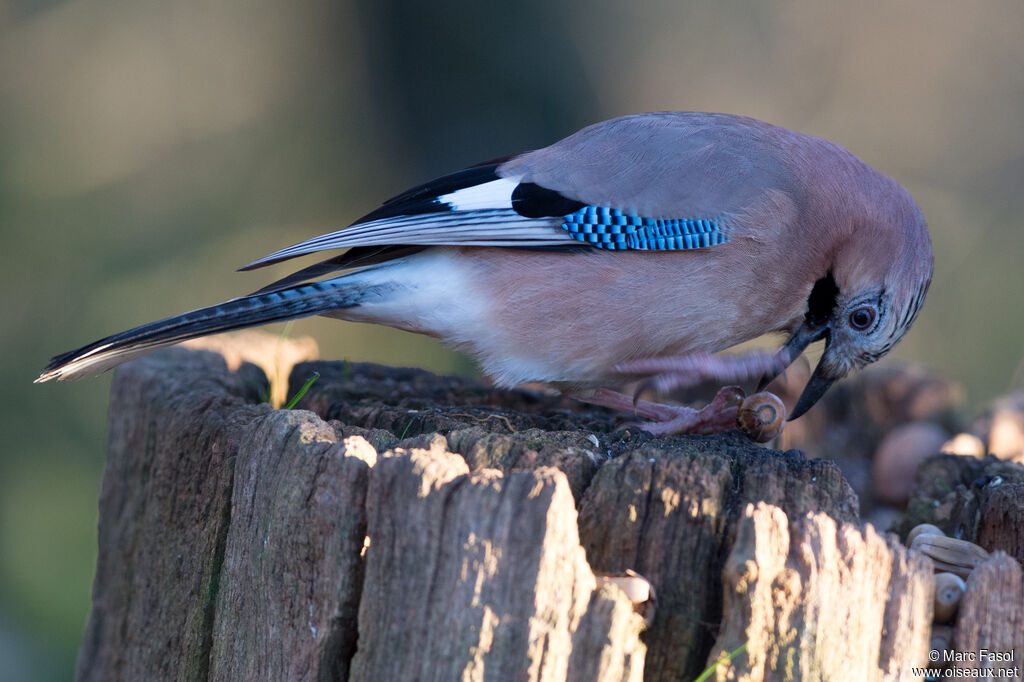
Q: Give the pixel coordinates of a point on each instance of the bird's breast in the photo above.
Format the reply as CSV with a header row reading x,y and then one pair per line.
x,y
572,317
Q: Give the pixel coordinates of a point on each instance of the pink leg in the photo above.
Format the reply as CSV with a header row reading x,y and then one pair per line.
x,y
669,373
719,415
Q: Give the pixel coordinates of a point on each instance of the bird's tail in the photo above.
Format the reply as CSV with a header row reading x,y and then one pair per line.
x,y
303,300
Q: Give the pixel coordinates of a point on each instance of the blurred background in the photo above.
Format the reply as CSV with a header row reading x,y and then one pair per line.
x,y
149,148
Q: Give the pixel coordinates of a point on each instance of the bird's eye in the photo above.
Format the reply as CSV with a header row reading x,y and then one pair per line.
x,y
862,318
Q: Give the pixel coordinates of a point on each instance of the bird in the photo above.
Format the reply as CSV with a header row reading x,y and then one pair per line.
x,y
637,248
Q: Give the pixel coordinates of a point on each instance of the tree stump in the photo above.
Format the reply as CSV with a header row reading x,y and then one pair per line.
x,y
990,628
409,526
808,597
976,499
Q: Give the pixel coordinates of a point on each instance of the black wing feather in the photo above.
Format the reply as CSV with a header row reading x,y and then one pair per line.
x,y
424,198
356,257
423,208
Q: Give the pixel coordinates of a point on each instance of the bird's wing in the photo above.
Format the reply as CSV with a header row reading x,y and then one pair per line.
x,y
648,182
473,207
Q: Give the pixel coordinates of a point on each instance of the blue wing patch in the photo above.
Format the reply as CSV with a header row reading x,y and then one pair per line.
x,y
609,228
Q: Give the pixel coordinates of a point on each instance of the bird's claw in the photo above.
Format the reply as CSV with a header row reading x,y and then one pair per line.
x,y
760,417
717,416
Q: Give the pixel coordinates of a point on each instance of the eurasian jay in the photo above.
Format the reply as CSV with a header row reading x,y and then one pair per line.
x,y
634,247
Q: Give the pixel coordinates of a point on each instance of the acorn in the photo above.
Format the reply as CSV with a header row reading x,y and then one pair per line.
x,y
761,417
949,590
950,554
922,529
637,588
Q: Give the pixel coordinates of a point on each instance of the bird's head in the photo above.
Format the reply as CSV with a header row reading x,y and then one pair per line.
x,y
878,272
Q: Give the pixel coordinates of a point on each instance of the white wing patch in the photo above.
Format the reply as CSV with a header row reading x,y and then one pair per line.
x,y
480,215
493,194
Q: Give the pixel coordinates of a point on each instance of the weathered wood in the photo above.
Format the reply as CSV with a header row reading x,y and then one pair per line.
x,y
610,626
206,499
990,625
1001,518
291,575
232,537
669,509
175,425
410,402
816,601
429,532
980,500
480,574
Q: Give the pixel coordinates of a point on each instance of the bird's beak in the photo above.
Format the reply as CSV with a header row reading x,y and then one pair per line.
x,y
825,374
820,380
804,336
815,388
816,325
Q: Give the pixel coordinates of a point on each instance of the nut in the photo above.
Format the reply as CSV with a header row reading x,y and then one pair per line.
x,y
637,588
949,554
761,417
949,590
923,529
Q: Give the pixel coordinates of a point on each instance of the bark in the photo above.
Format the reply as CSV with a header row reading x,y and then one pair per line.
x,y
409,526
990,625
979,500
815,600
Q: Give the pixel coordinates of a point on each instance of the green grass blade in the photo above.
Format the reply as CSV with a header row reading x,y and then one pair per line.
x,y
721,659
302,391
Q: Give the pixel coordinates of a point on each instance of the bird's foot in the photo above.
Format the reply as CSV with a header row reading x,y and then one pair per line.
x,y
669,373
719,415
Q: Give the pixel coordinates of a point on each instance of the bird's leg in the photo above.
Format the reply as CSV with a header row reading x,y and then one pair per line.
x,y
719,415
669,373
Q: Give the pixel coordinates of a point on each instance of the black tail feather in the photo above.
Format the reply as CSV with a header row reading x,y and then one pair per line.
x,y
248,311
